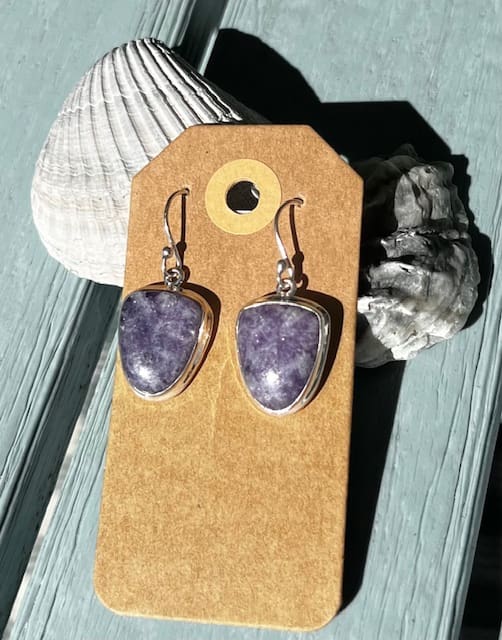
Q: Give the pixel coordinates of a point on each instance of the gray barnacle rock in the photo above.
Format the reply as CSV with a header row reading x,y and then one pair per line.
x,y
419,273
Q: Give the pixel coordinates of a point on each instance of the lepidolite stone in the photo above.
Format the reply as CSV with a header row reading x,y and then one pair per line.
x,y
277,345
157,336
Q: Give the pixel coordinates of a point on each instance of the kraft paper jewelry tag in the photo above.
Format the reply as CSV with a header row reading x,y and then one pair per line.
x,y
212,510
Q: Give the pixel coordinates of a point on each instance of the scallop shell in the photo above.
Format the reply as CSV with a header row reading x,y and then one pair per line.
x,y
419,273
122,113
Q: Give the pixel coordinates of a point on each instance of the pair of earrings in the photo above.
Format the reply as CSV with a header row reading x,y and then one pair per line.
x,y
282,339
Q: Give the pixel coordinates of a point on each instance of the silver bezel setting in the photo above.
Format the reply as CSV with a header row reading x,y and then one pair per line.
x,y
199,350
312,384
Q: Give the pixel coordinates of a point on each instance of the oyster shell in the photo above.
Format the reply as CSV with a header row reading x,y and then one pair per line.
x,y
419,273
121,114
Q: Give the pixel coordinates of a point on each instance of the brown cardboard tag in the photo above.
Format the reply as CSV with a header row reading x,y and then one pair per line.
x,y
212,510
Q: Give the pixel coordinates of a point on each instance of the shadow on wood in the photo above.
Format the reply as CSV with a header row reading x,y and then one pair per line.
x,y
261,79
483,607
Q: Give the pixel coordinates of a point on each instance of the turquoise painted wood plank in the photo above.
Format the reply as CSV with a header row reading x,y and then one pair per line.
x,y
448,400
51,323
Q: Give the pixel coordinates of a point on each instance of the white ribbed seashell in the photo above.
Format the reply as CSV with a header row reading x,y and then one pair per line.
x,y
121,114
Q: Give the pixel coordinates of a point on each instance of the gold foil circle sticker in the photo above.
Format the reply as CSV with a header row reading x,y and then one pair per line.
x,y
226,177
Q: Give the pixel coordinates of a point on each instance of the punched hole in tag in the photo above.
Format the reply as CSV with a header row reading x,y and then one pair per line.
x,y
243,197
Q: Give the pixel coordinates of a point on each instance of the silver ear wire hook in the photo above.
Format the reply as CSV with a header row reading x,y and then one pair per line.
x,y
286,277
173,276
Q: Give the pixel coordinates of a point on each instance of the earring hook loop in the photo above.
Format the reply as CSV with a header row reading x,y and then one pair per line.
x,y
173,276
286,277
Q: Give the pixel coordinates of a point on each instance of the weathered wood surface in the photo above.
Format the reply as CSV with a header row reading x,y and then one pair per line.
x,y
434,422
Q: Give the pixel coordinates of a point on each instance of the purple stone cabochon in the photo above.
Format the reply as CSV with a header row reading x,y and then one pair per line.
x,y
277,345
157,335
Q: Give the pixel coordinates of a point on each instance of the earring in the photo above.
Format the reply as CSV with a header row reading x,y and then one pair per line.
x,y
164,330
282,341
